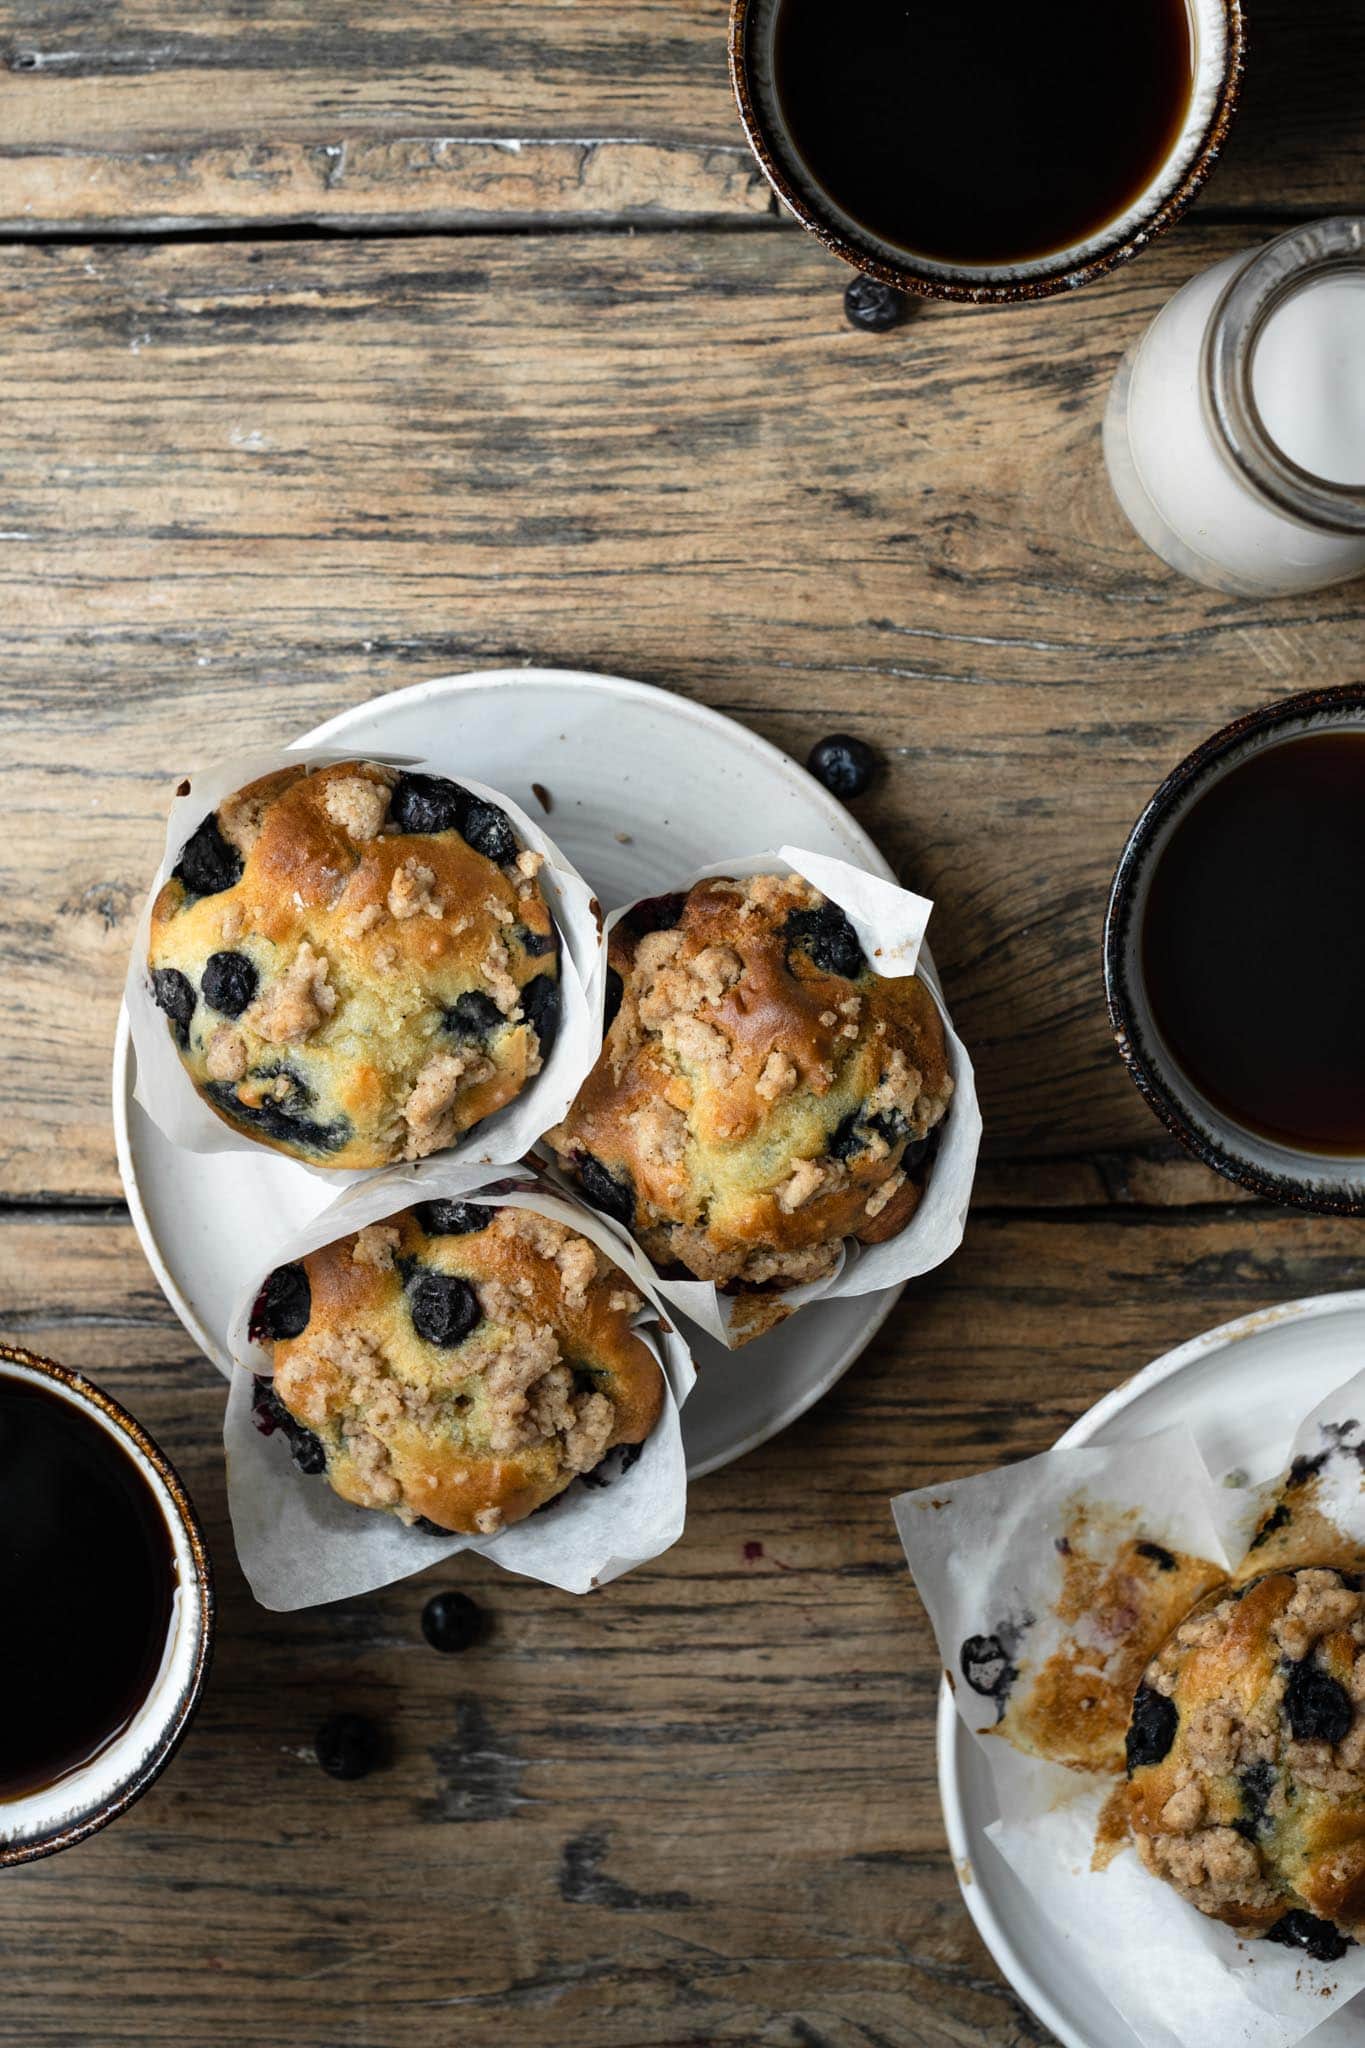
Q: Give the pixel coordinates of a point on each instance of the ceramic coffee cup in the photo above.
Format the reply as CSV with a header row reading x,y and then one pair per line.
x,y
1218,34
38,1822
1328,1183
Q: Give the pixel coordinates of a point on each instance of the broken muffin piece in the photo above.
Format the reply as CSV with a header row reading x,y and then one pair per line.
x,y
1246,1760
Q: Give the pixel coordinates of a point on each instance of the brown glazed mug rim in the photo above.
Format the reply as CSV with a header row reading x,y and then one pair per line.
x,y
63,1836
963,284
1325,1197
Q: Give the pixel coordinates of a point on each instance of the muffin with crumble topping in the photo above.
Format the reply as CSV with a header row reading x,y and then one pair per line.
x,y
1246,1760
356,964
457,1365
762,1094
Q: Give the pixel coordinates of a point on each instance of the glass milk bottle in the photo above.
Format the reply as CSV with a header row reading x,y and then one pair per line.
x,y
1235,430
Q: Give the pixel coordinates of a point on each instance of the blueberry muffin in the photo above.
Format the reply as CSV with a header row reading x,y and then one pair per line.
x,y
457,1366
356,965
762,1094
1246,1760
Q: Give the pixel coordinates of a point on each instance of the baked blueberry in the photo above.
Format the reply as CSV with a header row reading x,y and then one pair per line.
x,y
540,1007
607,1191
283,1306
428,803
444,1308
988,1666
474,1017
1151,1731
845,764
1157,1555
1256,1782
174,993
489,831
614,992
451,1622
1317,1938
347,1746
829,939
873,306
655,913
536,944
207,864
453,1219
269,1414
229,983
284,1118
1319,1707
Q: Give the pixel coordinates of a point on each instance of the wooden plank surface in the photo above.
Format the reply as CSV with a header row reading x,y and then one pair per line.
x,y
141,114
696,1808
244,485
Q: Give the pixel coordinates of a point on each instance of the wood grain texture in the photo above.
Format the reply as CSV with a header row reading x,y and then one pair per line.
x,y
698,1807
242,486
139,114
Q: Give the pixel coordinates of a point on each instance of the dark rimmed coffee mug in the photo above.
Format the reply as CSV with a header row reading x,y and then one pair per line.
x,y
1218,39
37,1821
1329,1183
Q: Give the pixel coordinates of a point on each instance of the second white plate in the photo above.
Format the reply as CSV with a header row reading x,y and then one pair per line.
x,y
643,786
1240,1390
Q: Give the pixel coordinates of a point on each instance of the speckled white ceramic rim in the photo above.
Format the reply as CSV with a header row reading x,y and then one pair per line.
x,y
1209,29
1027,1972
59,1815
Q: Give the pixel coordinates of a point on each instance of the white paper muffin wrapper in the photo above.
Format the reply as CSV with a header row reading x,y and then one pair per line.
x,y
983,1554
167,1093
890,923
300,1544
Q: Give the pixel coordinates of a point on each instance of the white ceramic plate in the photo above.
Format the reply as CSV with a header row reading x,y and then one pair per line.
x,y
644,787
1240,1389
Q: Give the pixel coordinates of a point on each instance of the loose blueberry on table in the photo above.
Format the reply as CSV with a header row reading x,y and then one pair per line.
x,y
873,306
452,1622
347,1746
844,763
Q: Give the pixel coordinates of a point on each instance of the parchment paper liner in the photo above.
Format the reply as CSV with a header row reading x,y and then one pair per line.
x,y
300,1545
890,923
983,1553
164,1088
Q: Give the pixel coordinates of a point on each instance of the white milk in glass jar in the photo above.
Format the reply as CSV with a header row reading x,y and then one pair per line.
x,y
1235,431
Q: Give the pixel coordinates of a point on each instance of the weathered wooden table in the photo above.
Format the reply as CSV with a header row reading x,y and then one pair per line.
x,y
344,346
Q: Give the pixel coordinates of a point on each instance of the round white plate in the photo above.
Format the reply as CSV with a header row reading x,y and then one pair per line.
x,y
1235,1388
643,787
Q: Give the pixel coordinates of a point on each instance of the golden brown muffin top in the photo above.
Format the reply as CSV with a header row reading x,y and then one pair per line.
x,y
357,963
762,1094
458,1364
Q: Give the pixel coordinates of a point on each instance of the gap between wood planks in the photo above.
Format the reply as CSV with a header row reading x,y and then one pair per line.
x,y
411,227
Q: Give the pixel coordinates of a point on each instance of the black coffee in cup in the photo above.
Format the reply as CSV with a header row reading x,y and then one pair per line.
x,y
87,1585
1253,943
988,134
